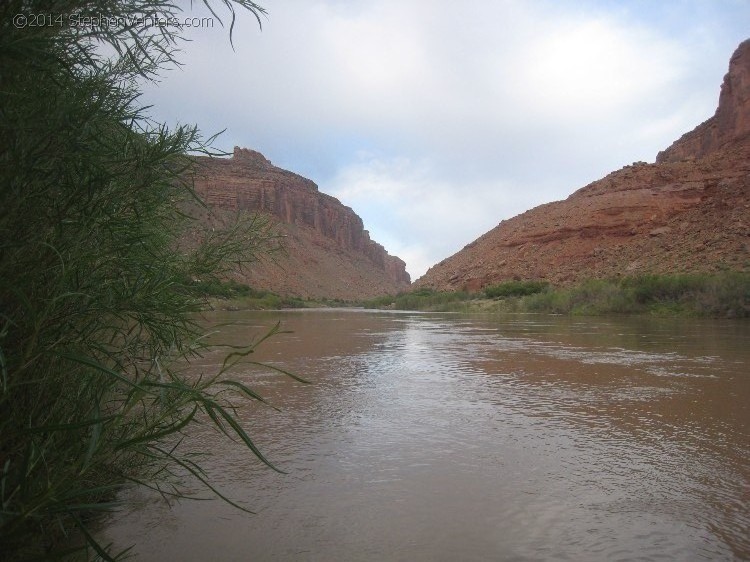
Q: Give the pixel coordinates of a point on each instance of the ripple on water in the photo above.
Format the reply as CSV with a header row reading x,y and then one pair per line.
x,y
429,437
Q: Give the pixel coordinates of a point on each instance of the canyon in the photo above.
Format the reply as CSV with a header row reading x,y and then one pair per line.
x,y
326,251
687,212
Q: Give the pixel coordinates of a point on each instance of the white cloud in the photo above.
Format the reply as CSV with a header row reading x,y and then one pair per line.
x,y
408,204
588,68
435,120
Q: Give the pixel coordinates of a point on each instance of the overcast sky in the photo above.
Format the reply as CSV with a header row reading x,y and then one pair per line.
x,y
435,120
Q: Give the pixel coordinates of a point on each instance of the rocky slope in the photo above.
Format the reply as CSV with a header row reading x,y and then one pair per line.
x,y
328,254
688,212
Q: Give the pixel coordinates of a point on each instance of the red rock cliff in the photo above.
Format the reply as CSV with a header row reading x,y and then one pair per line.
x,y
248,181
729,124
689,212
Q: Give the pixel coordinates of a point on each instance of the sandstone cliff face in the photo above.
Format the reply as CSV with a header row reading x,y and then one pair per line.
x,y
329,253
689,212
729,124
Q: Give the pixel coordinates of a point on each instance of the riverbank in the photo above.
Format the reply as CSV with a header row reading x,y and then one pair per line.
x,y
720,295
724,295
232,295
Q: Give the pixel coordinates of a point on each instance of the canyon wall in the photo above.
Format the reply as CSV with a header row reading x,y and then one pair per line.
x,y
329,254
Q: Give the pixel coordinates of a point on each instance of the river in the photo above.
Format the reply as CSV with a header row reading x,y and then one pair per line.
x,y
473,437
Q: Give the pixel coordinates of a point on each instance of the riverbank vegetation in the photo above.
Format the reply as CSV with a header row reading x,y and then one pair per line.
x,y
98,315
228,294
423,299
724,294
232,295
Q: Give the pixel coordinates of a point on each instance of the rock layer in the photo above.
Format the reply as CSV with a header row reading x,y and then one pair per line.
x,y
329,254
689,212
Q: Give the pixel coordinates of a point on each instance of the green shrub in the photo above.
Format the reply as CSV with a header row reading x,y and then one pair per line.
x,y
648,289
423,292
719,294
515,289
424,298
554,301
383,301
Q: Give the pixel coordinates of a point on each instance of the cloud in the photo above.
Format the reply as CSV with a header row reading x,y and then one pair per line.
x,y
435,120
405,202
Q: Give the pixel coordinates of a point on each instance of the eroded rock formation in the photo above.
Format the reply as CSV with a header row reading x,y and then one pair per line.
x,y
689,212
731,122
329,253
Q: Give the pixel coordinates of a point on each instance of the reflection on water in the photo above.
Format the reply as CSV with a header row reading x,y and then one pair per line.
x,y
450,437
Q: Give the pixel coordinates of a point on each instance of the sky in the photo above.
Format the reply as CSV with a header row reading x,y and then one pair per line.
x,y
435,120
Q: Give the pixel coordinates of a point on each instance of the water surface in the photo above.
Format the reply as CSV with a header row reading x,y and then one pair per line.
x,y
470,437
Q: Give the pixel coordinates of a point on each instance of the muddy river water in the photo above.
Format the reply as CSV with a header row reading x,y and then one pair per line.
x,y
474,437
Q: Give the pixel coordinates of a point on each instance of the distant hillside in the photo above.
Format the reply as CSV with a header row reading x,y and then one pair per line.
x,y
688,212
329,254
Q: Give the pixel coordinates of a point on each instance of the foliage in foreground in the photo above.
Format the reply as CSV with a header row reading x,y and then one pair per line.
x,y
95,309
725,294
